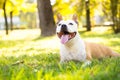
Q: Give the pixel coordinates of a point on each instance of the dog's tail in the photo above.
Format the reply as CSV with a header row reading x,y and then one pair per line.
x,y
115,54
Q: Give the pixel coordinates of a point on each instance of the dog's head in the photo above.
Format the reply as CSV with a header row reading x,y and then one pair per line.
x,y
66,29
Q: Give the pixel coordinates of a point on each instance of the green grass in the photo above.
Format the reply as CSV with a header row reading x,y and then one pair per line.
x,y
26,56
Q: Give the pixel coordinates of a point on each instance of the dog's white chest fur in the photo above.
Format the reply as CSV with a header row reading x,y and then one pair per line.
x,y
73,50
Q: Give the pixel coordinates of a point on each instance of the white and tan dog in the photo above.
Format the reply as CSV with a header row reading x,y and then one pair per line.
x,y
74,48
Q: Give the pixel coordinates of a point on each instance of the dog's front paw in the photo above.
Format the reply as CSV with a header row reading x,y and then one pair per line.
x,y
86,63
63,61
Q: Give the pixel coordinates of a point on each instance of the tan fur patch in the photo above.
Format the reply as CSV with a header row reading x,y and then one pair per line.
x,y
98,51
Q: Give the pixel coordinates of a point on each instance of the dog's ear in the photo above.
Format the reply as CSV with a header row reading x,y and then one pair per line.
x,y
75,18
59,17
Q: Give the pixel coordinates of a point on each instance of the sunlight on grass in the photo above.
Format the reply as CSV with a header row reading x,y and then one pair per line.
x,y
27,42
20,34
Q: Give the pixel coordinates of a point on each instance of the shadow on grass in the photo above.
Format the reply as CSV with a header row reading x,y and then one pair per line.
x,y
105,35
42,38
38,38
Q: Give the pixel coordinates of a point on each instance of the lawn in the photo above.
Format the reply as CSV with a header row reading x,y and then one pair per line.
x,y
26,56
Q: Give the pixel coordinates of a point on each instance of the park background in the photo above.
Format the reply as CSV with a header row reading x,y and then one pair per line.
x,y
29,47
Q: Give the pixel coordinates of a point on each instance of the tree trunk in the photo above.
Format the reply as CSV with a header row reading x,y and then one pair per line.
x,y
11,20
115,10
5,17
88,23
47,23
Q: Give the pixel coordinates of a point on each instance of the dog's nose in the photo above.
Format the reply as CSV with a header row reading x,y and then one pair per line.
x,y
63,26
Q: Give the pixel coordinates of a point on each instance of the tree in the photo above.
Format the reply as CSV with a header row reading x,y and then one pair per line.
x,y
5,16
84,9
47,23
115,10
88,15
6,6
11,20
13,7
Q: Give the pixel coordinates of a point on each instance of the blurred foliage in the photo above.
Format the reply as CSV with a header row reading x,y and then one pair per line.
x,y
64,7
68,7
115,11
12,5
24,9
27,9
99,8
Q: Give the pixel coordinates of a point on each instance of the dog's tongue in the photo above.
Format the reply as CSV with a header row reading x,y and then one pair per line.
x,y
64,38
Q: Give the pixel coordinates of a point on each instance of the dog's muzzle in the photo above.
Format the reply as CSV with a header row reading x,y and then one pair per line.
x,y
65,35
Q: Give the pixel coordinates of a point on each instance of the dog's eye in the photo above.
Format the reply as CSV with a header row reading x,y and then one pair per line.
x,y
70,23
59,24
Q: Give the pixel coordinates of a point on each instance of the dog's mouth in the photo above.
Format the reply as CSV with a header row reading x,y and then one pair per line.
x,y
66,36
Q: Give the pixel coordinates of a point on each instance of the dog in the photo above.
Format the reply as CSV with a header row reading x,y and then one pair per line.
x,y
74,48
